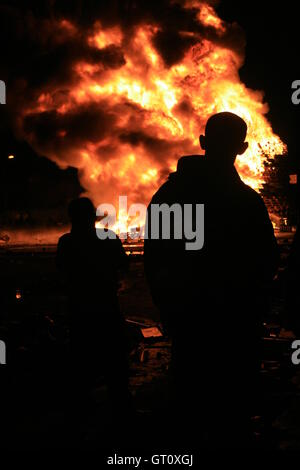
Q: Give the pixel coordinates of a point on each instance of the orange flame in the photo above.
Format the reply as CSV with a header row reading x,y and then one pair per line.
x,y
171,103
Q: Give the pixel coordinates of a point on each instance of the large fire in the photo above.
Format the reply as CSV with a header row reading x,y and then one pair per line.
x,y
155,112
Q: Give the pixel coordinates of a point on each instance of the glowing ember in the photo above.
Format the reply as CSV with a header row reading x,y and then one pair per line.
x,y
146,114
18,294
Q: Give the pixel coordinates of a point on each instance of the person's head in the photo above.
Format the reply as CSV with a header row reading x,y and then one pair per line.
x,y
82,214
224,138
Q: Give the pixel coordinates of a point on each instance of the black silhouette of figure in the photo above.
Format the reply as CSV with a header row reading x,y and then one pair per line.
x,y
90,266
211,300
293,286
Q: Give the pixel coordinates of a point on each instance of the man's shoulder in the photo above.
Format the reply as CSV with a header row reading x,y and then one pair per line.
x,y
160,193
252,195
251,192
65,238
166,191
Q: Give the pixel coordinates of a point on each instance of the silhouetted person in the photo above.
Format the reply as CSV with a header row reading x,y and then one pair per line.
x,y
293,286
90,267
212,300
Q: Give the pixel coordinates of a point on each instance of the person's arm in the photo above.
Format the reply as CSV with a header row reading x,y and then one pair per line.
x,y
268,252
62,257
122,259
292,286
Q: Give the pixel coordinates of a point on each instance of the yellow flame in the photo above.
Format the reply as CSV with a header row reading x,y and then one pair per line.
x,y
176,102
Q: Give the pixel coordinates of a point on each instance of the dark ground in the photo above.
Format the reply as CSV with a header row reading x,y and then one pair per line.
x,y
35,327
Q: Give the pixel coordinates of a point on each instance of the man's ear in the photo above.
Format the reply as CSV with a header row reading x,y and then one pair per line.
x,y
202,142
243,147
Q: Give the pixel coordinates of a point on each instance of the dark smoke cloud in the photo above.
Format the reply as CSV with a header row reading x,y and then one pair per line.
x,y
151,144
35,48
86,122
39,55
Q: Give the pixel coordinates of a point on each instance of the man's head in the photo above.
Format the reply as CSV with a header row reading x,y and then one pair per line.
x,y
224,138
82,214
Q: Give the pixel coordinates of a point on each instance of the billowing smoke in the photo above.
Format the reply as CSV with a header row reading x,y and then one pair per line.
x,y
121,89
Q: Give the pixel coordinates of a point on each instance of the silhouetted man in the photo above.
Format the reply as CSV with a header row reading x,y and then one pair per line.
x,y
212,299
90,267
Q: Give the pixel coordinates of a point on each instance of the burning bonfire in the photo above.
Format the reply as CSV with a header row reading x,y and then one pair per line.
x,y
135,98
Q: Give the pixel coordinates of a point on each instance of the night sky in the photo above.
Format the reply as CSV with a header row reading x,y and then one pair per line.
x,y
271,64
